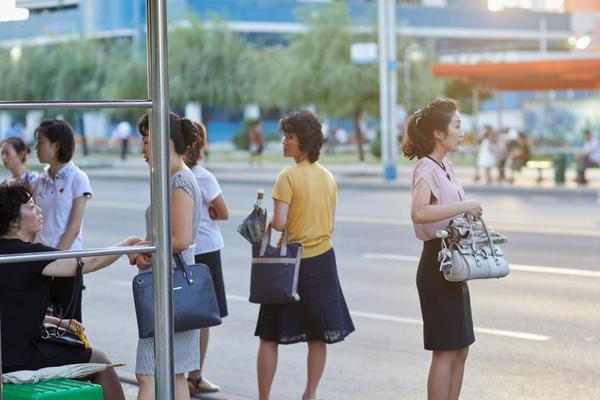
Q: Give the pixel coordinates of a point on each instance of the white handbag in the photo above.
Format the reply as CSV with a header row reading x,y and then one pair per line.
x,y
470,255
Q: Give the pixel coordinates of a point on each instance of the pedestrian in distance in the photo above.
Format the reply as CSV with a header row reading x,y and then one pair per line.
x,y
257,145
24,291
209,243
304,197
15,153
61,191
487,157
186,201
589,157
431,133
122,133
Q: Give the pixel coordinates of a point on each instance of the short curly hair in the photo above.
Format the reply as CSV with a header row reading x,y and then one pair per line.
x,y
12,198
307,127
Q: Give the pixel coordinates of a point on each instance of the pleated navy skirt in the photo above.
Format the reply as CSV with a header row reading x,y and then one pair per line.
x,y
445,306
321,314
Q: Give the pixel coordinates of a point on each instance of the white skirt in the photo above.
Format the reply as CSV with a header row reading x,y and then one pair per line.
x,y
186,349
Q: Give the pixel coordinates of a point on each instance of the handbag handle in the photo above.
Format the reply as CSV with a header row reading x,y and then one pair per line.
x,y
187,272
76,292
266,240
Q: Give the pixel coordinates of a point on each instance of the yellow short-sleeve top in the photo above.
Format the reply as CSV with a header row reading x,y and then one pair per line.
x,y
310,191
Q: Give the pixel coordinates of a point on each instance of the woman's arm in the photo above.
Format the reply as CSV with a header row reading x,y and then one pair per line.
x,y
182,209
280,212
74,225
218,209
68,266
422,212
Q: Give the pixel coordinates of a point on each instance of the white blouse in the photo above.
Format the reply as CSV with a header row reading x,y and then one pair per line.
x,y
55,198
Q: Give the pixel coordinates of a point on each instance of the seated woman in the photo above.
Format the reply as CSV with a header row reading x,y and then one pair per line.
x,y
15,153
24,291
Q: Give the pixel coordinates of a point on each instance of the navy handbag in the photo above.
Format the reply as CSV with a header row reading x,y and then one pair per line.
x,y
274,275
194,300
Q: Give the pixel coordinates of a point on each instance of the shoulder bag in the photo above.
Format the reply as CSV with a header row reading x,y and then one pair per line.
x,y
274,275
194,300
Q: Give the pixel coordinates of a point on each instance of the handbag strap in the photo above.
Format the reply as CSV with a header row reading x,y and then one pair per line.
x,y
75,294
266,240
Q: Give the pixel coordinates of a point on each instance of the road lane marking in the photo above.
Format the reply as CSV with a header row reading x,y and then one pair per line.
x,y
513,267
413,321
376,221
393,318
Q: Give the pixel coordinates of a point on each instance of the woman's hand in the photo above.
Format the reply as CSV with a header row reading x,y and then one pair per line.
x,y
72,325
135,241
473,208
143,261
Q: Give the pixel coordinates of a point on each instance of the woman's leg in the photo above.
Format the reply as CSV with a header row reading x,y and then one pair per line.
x,y
315,363
146,387
197,374
458,369
440,373
182,392
266,366
108,379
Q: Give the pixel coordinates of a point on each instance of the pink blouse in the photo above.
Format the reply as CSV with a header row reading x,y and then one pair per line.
x,y
443,191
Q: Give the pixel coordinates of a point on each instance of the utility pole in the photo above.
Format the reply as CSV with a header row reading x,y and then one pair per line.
x,y
386,11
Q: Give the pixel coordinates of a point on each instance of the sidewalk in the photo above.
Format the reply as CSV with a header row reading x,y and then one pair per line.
x,y
363,176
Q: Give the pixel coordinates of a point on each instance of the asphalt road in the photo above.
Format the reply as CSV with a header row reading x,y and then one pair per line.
x,y
538,330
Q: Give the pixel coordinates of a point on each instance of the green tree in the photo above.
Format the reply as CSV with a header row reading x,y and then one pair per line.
x,y
319,70
207,64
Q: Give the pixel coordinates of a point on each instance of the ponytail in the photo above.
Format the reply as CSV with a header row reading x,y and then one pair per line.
x,y
196,152
418,140
182,131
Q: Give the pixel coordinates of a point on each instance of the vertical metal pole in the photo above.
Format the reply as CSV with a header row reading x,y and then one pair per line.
x,y
475,101
498,98
383,80
392,65
160,199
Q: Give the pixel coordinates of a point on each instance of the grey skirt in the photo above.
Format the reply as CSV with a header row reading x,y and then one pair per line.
x,y
186,352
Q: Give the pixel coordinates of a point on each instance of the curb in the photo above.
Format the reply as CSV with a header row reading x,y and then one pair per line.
x,y
344,182
129,378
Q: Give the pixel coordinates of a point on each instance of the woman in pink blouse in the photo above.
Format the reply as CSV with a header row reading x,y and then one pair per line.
x,y
431,133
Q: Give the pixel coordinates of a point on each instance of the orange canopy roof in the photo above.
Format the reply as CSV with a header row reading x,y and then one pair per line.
x,y
526,75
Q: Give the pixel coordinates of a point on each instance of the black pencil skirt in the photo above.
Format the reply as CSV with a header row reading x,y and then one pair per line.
x,y
445,306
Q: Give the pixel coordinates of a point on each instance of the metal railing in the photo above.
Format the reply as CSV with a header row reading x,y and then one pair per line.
x,y
158,105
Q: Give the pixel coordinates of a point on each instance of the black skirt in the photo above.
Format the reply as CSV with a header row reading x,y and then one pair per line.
x,y
213,260
46,354
445,306
321,314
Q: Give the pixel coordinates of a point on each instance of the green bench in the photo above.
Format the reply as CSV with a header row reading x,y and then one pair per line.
x,y
61,389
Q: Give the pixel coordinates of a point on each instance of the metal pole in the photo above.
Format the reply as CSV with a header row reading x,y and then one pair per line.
x,y
383,72
475,101
406,73
498,98
390,170
160,199
62,105
57,255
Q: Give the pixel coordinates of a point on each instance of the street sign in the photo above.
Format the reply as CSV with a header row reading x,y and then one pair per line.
x,y
363,53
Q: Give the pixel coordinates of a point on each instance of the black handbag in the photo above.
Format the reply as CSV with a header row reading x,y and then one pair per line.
x,y
55,333
274,275
194,300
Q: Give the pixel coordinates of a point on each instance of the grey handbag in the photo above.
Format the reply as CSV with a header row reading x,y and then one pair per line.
x,y
471,253
275,270
194,300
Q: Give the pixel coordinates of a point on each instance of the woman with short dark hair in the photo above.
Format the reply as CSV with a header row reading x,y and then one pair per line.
x,y
304,197
24,292
431,133
61,191
15,153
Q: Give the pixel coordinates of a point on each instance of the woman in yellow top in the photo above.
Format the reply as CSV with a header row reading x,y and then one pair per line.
x,y
304,198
